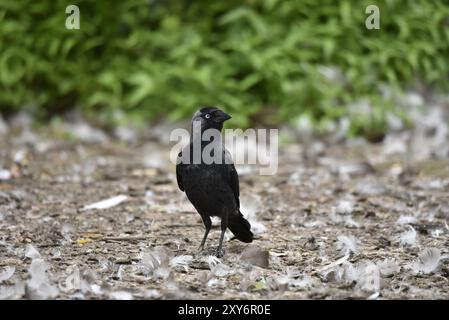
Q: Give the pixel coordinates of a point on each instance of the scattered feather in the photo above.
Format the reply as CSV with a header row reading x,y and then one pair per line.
x,y
121,295
351,273
388,267
374,296
314,223
303,283
347,244
369,279
155,262
437,233
31,252
335,274
406,220
257,227
217,267
152,294
96,289
334,264
7,273
182,261
297,282
351,223
212,261
249,208
5,174
7,292
221,270
344,207
214,282
428,261
408,237
347,220
106,204
39,285
119,273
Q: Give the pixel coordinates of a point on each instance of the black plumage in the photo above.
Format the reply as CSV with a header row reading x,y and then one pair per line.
x,y
212,188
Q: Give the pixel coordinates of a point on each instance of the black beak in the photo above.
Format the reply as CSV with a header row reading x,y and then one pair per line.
x,y
221,116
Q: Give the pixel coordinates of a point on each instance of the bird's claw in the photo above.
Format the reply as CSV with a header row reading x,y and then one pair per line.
x,y
219,253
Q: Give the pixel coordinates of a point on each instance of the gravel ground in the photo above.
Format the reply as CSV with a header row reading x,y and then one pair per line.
x,y
342,220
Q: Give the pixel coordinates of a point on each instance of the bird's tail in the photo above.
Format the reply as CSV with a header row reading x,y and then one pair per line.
x,y
240,227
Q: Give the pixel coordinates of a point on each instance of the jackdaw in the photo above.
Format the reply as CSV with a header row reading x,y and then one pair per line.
x,y
210,180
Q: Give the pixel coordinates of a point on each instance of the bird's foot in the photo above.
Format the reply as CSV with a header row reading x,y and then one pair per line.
x,y
219,253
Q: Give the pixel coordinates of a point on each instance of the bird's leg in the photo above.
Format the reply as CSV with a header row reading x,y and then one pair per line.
x,y
224,226
208,224
203,242
220,251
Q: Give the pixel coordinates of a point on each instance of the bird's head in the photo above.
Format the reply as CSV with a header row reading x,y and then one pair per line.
x,y
210,118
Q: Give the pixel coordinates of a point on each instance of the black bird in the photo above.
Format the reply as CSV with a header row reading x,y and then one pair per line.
x,y
212,188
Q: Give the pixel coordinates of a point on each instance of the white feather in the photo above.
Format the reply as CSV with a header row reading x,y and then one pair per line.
x,y
7,273
216,266
347,244
155,262
334,264
428,260
344,207
250,206
408,237
406,220
351,273
121,295
221,270
31,252
214,282
374,296
292,278
304,282
106,204
39,283
212,261
5,174
369,279
388,267
182,260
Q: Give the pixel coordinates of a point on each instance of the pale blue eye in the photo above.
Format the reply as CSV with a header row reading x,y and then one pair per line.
x,y
207,116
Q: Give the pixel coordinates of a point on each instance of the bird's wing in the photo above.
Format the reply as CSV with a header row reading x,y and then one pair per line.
x,y
233,177
178,171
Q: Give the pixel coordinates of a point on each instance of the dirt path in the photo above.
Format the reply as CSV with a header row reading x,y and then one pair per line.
x,y
348,222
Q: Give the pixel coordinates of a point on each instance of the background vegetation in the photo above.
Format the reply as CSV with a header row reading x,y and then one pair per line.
x,y
264,61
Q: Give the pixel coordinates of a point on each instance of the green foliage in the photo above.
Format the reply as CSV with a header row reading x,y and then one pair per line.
x,y
154,58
